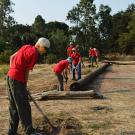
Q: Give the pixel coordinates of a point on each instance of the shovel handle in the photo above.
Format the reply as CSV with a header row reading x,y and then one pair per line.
x,y
39,109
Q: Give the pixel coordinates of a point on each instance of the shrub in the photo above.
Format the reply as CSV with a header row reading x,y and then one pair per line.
x,y
5,56
50,58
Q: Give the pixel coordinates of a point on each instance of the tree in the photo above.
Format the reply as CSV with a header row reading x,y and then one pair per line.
x,y
83,16
38,26
105,21
105,27
120,22
54,26
127,40
5,19
59,43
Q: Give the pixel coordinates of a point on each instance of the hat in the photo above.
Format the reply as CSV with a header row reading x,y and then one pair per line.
x,y
73,49
44,42
69,59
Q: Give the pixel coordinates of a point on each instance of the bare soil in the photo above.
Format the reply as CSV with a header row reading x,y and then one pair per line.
x,y
114,115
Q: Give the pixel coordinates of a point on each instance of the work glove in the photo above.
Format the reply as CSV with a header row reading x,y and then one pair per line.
x,y
73,67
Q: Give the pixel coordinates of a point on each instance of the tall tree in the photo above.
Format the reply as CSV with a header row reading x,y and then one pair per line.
x,y
5,19
105,21
38,26
52,27
59,43
83,16
120,22
105,26
127,40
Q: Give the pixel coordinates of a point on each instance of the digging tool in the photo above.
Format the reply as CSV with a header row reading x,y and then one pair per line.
x,y
55,130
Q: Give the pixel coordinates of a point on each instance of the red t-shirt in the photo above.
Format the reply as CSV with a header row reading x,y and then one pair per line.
x,y
76,57
59,67
25,59
90,52
69,51
93,53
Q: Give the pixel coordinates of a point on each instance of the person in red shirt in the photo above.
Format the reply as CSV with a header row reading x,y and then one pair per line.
x,y
92,56
76,64
96,56
17,77
60,70
69,49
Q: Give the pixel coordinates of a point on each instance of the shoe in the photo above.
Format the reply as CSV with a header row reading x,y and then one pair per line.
x,y
10,132
35,132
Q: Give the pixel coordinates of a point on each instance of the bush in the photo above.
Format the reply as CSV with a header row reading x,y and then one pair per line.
x,y
50,58
5,56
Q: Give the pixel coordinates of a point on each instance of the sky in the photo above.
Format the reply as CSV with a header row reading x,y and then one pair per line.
x,y
25,11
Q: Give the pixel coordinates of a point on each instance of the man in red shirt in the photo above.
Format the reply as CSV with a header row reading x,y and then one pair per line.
x,y
60,70
20,64
69,49
92,56
96,56
76,64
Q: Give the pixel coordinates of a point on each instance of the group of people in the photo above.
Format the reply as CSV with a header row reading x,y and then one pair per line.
x,y
73,63
93,56
21,63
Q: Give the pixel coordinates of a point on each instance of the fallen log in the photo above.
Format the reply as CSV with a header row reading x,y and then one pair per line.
x,y
120,62
79,85
58,95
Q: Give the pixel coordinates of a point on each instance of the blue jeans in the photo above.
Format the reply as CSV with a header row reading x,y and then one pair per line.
x,y
76,68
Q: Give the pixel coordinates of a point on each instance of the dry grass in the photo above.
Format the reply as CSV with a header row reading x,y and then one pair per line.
x,y
112,116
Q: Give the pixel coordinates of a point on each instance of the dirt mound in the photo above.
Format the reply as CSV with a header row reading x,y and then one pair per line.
x,y
67,126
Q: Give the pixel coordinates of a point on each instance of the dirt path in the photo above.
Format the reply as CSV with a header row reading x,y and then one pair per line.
x,y
112,116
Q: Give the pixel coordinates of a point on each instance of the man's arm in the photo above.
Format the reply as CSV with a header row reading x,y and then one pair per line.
x,y
12,58
65,73
27,75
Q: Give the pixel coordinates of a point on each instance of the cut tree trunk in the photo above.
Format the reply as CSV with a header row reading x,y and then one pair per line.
x,y
120,62
58,95
79,85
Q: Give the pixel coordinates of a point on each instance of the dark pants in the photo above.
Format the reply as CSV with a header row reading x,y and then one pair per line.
x,y
19,107
60,81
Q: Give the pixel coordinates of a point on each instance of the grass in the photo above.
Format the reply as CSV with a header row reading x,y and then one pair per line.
x,y
103,125
3,70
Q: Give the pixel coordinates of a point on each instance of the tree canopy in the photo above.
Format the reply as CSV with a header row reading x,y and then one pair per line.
x,y
109,33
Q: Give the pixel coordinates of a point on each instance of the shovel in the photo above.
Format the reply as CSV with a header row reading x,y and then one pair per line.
x,y
55,130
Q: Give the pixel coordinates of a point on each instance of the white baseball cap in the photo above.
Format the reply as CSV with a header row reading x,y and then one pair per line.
x,y
44,42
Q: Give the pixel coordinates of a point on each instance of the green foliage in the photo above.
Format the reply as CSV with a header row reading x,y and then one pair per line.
x,y
58,43
50,58
127,40
3,70
3,46
5,56
105,21
83,15
5,19
39,26
109,33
